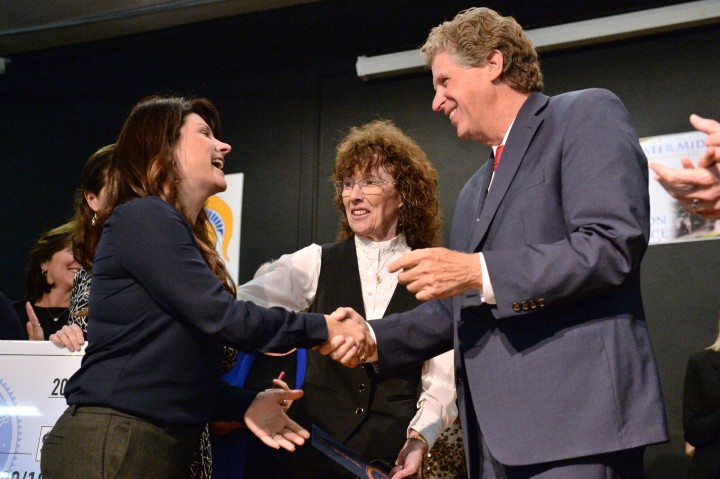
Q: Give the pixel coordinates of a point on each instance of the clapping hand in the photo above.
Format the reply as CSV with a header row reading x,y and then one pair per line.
x,y
34,329
712,128
697,188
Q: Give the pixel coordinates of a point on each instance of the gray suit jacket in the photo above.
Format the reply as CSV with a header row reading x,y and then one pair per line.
x,y
562,366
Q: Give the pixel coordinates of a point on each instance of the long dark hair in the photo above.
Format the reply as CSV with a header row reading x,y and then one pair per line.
x,y
143,165
49,243
87,232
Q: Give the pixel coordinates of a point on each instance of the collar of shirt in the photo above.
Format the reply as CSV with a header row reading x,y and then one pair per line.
x,y
373,259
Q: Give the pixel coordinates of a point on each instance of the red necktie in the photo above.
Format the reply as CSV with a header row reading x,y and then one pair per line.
x,y
498,152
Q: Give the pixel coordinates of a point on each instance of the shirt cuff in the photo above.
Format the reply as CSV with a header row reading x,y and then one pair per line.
x,y
427,422
372,332
488,295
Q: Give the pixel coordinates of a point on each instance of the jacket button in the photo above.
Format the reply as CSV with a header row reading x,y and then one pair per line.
x,y
361,387
516,307
533,305
525,306
541,302
359,411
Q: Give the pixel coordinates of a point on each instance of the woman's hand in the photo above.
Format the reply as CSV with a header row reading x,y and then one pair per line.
x,y
266,419
34,330
280,384
69,336
409,460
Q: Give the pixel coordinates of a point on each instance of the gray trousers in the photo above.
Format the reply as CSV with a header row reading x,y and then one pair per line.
x,y
102,443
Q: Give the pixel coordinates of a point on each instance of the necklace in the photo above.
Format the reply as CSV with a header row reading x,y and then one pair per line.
x,y
56,318
390,252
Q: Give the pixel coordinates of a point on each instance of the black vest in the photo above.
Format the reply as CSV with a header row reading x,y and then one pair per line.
x,y
368,414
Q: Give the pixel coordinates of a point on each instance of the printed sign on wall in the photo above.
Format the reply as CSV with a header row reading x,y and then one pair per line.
x,y
668,220
224,212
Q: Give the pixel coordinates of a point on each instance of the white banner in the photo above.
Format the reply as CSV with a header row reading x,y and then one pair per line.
x,y
225,211
33,375
668,220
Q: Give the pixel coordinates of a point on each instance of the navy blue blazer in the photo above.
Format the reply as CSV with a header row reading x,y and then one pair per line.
x,y
562,365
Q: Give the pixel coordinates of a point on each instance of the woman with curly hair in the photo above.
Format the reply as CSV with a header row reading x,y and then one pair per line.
x,y
386,193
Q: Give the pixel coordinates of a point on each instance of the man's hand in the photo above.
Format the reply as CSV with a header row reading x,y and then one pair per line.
x,y
34,330
435,273
350,341
266,419
69,336
712,128
697,189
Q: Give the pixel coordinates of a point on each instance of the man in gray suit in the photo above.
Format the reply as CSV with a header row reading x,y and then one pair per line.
x,y
539,291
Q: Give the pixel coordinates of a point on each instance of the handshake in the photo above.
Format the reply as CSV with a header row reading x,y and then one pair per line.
x,y
350,339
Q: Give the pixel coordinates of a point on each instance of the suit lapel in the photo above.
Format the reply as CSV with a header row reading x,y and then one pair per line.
x,y
523,131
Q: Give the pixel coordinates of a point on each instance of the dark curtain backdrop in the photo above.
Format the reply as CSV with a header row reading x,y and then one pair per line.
x,y
286,87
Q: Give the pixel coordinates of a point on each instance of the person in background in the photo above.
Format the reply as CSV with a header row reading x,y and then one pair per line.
x,y
48,283
701,411
697,188
162,306
386,193
539,290
10,326
89,198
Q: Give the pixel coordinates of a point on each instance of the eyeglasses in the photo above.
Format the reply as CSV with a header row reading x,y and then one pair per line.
x,y
369,186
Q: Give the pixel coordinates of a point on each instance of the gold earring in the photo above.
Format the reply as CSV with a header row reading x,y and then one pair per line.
x,y
94,219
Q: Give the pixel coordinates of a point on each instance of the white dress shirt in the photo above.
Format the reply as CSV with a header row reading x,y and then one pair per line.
x,y
291,282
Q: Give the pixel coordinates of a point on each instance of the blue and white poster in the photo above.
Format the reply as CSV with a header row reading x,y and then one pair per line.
x,y
668,219
224,211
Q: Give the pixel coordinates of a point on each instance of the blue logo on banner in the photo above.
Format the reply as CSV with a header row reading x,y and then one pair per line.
x,y
9,428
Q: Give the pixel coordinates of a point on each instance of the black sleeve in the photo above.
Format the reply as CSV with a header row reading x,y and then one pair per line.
x,y
166,261
701,427
11,327
232,403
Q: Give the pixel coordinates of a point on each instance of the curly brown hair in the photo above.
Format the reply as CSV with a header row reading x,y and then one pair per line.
x,y
49,243
143,165
381,144
93,180
474,33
